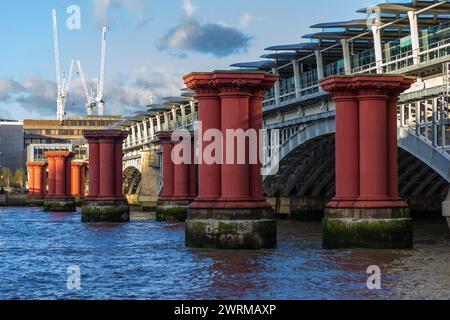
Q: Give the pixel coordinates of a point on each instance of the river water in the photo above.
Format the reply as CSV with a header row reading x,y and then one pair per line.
x,y
148,260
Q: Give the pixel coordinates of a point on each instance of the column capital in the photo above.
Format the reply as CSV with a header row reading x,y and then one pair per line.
x,y
382,86
93,136
79,164
229,82
59,154
165,137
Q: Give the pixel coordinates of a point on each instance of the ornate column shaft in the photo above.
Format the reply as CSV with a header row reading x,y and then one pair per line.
x,y
59,197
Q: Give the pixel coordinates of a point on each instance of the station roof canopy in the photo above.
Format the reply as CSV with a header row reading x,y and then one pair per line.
x,y
155,108
187,93
255,65
177,100
402,8
338,35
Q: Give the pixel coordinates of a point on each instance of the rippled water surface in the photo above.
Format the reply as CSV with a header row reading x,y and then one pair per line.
x,y
148,260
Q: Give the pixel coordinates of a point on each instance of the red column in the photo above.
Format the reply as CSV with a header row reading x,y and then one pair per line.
x,y
118,177
376,144
168,191
59,174
347,138
240,108
31,188
78,179
181,180
235,115
94,167
209,115
373,149
51,176
392,148
107,169
40,179
256,123
193,174
105,164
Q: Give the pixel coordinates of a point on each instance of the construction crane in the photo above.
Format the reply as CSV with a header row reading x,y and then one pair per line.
x,y
62,81
101,80
89,92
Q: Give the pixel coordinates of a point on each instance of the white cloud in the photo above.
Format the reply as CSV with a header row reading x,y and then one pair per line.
x,y
124,95
246,19
103,9
189,8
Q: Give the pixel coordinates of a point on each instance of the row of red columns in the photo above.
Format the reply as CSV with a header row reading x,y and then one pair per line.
x,y
180,179
105,164
230,101
65,178
366,140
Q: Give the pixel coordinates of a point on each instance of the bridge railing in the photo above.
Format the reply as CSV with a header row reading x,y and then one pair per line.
x,y
435,45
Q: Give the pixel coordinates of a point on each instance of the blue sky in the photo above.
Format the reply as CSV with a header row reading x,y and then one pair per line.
x,y
151,45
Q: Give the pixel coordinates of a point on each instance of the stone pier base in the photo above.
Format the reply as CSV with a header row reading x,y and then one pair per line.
x,y
373,228
172,211
35,202
105,211
231,229
60,205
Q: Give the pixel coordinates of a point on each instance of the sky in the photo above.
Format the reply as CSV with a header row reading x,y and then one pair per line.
x,y
151,45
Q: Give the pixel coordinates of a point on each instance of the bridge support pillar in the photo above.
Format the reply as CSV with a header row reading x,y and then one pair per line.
x,y
105,202
59,197
176,195
366,211
230,211
78,179
37,180
148,196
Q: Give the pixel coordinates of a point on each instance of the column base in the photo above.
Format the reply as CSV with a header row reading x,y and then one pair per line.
x,y
222,228
172,210
372,228
117,211
60,205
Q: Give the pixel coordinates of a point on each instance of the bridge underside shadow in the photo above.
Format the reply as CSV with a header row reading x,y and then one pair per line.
x,y
305,182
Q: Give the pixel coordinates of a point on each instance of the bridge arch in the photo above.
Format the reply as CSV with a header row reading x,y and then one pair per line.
x,y
307,165
132,179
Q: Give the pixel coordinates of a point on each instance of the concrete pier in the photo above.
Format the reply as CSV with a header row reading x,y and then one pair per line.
x,y
366,211
106,202
230,211
59,197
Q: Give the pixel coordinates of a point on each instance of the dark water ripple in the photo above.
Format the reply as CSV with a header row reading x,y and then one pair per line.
x,y
148,260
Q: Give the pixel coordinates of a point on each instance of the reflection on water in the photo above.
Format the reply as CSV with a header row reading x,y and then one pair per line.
x,y
148,260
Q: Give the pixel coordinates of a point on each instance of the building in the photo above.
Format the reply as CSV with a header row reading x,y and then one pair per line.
x,y
11,145
52,135
66,131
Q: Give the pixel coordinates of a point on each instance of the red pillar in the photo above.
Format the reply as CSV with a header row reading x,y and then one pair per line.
x,y
59,174
347,139
107,169
31,188
193,173
40,179
105,164
256,123
181,180
366,140
239,108
105,202
209,115
168,191
78,179
51,176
